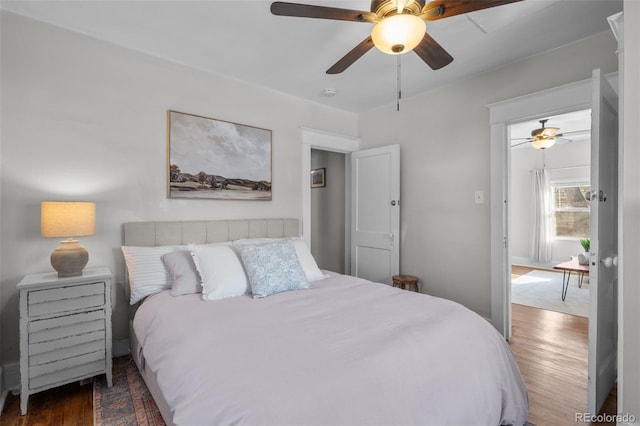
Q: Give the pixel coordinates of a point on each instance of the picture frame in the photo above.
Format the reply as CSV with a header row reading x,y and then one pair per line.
x,y
318,178
215,159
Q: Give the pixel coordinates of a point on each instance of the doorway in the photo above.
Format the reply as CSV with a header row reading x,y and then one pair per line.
x,y
318,140
560,100
328,197
600,93
549,212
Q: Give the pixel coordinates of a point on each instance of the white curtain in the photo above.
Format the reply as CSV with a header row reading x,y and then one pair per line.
x,y
542,220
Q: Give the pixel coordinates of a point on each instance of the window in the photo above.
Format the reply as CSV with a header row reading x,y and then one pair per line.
x,y
571,209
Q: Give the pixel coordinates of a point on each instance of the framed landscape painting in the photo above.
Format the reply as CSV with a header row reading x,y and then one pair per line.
x,y
218,160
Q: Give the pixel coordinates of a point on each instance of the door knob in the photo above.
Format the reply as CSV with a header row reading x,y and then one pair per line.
x,y
610,261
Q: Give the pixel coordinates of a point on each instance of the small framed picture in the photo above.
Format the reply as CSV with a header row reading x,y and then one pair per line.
x,y
318,178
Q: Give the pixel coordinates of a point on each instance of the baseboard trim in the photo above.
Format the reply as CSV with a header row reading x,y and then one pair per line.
x,y
3,399
121,347
523,261
11,372
3,393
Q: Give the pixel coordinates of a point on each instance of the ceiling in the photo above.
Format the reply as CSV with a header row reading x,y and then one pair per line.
x,y
242,39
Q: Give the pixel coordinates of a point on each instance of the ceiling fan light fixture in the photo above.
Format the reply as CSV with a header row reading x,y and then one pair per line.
x,y
398,33
543,143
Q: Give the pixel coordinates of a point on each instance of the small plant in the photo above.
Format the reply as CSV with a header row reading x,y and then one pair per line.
x,y
586,244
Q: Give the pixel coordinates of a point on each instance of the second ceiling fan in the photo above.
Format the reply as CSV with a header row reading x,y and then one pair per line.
x,y
399,25
545,137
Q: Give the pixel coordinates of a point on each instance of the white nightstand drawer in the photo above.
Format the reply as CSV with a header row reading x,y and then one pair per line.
x,y
66,342
65,352
52,301
67,326
65,375
64,364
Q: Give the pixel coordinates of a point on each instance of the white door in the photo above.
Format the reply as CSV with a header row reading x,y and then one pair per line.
x,y
603,271
375,213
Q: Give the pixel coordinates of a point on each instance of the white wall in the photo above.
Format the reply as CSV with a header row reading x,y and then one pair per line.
x,y
85,119
444,135
563,163
629,270
328,212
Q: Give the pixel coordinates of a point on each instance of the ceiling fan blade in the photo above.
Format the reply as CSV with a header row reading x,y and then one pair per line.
x,y
576,132
348,59
561,141
440,9
518,144
432,53
281,8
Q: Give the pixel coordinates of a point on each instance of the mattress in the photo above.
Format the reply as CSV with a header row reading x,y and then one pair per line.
x,y
345,351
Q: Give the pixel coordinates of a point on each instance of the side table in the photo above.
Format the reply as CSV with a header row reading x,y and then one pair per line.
x,y
403,281
65,329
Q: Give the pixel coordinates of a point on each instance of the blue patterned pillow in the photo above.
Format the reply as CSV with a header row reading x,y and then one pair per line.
x,y
272,268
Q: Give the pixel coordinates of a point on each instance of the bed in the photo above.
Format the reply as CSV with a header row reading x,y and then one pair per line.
x,y
339,350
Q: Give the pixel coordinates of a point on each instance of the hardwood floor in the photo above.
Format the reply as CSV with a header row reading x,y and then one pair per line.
x,y
550,348
69,405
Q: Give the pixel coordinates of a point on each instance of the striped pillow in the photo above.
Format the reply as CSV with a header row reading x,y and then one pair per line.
x,y
147,274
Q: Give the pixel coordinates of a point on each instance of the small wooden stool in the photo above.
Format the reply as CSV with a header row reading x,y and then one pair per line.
x,y
403,281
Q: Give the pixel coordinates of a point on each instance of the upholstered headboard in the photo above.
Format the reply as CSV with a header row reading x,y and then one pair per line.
x,y
145,234
209,231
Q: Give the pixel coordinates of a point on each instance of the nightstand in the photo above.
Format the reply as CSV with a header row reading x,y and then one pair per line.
x,y
65,329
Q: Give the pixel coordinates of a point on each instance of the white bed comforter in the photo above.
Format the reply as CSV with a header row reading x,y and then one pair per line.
x,y
344,352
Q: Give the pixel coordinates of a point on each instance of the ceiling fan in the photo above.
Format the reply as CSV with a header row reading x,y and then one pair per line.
x,y
399,25
546,137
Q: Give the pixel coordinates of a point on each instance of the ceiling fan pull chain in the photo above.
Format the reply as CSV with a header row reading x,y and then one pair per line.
x,y
399,78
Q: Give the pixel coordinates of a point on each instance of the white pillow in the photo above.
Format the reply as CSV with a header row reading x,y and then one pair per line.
x,y
221,271
307,261
147,274
305,257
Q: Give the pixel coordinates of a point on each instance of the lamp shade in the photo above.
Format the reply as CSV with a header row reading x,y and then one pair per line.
x,y
67,218
398,33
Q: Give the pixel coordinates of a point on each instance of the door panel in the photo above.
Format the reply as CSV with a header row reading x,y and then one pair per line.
x,y
375,213
603,271
374,263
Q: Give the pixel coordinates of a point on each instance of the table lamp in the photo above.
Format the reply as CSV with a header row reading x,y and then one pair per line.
x,y
68,219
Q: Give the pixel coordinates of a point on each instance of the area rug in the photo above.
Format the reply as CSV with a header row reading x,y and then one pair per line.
x,y
128,402
542,289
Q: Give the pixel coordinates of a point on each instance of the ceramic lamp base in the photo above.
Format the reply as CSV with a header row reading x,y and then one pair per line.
x,y
69,258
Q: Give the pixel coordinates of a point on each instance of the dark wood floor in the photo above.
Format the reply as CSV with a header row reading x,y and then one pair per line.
x,y
550,348
69,405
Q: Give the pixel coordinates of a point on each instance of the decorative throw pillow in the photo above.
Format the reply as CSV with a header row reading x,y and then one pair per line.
x,y
305,257
220,270
182,270
272,268
147,274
